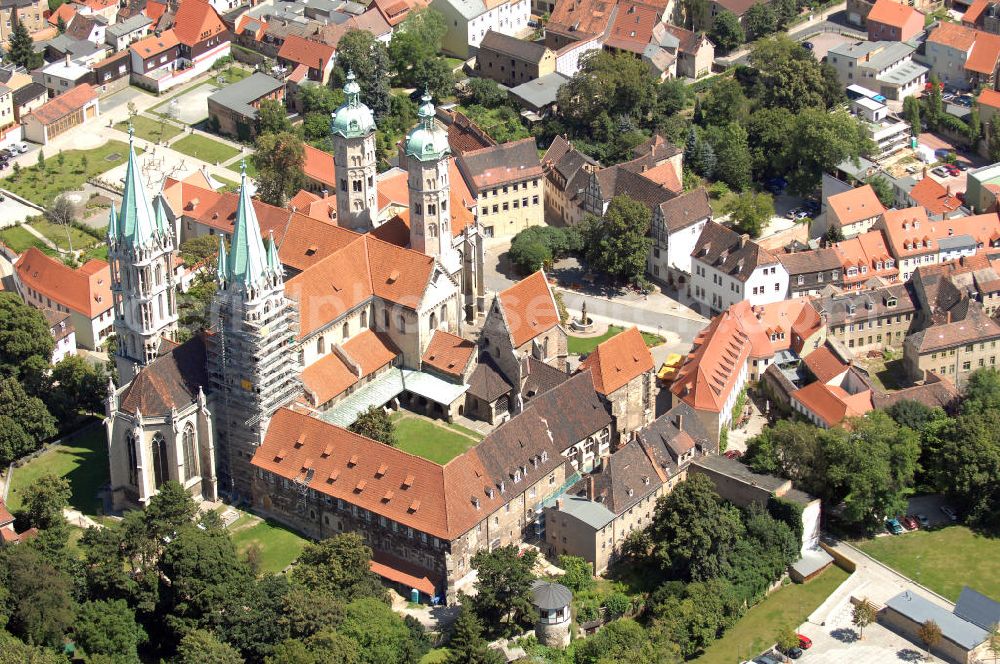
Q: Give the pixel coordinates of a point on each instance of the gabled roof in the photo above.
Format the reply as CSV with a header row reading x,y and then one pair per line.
x,y
528,308
572,410
65,104
832,403
512,47
487,382
86,290
327,377
825,364
989,98
953,35
625,478
975,326
855,205
686,210
632,27
371,351
318,165
66,11
582,18
977,608
448,353
910,232
985,54
152,45
500,164
895,14
866,250
196,21
812,260
729,252
975,10
933,195
300,50
170,381
618,360
919,610
936,392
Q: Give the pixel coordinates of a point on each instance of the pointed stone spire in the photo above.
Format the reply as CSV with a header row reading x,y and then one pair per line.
x,y
161,217
247,260
273,263
112,224
136,221
221,273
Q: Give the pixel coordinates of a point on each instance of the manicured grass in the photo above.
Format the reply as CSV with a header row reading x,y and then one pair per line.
x,y
57,234
251,168
279,547
150,129
20,240
943,560
436,656
581,345
785,607
227,185
232,75
83,461
434,441
42,187
205,149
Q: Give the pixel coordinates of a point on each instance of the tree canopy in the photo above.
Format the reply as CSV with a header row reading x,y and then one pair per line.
x,y
618,244
279,159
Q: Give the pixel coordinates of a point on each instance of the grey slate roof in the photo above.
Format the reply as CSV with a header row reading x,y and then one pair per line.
x,y
77,48
169,381
549,596
238,96
735,470
590,512
977,608
130,24
29,92
687,209
867,304
486,381
540,92
816,260
512,47
729,252
541,378
958,630
571,411
627,470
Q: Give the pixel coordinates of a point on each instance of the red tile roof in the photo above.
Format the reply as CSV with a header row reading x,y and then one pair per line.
x,y
154,10
448,353
65,104
895,14
855,205
196,21
989,98
529,308
632,28
985,54
300,50
86,290
666,175
371,351
954,35
824,364
831,403
933,195
155,44
327,377
66,12
911,233
318,165
618,360
866,250
975,10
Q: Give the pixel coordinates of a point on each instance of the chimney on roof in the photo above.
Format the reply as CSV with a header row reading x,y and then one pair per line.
x,y
743,240
67,60
559,504
924,173
947,190
590,487
679,422
948,316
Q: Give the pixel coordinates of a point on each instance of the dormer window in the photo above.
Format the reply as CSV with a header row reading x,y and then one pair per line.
x,y
545,456
517,477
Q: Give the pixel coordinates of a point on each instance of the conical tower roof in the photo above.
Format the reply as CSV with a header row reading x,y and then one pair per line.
x,y
246,263
136,221
112,223
353,119
221,268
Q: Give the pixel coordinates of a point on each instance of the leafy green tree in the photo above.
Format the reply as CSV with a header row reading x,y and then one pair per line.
x,y
201,249
108,627
750,211
77,386
24,334
820,140
292,652
306,612
200,645
272,117
732,154
24,420
993,141
15,651
61,25
672,97
963,467
699,155
768,131
863,615
726,33
503,587
170,510
619,244
913,414
616,604
434,76
485,92
339,565
787,76
21,48
39,602
883,189
467,645
760,21
607,87
417,39
376,424
336,648
933,104
578,575
105,574
786,639
911,109
382,636
695,614
43,502
321,99
695,531
279,159
529,254
726,103
360,52
627,642
538,245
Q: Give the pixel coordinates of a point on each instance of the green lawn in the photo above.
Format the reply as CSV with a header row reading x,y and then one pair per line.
x,y
20,240
205,149
83,461
434,441
943,560
786,607
42,187
581,345
150,129
279,547
251,168
231,75
57,233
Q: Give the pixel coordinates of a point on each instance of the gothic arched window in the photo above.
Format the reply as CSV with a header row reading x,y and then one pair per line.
x,y
133,460
346,332
434,321
158,272
190,456
364,319
160,465
444,313
320,346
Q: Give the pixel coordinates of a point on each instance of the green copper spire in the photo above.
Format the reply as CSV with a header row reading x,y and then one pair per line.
x,y
161,216
246,262
353,119
273,263
220,270
136,223
427,141
112,223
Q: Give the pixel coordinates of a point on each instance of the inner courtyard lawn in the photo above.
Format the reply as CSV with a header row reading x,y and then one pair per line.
x,y
150,129
63,236
205,149
786,607
83,461
581,345
278,546
943,560
431,439
42,186
20,240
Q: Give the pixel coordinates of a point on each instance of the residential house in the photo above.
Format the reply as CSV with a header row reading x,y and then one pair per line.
x,y
933,392
728,268
811,271
64,75
622,370
934,197
61,113
828,403
65,12
120,35
715,7
865,259
316,56
893,21
511,61
943,290
888,132
468,22
232,111
82,51
27,99
982,185
858,10
955,347
7,116
854,212
106,9
88,27
961,57
395,11
83,293
884,66
915,240
567,172
61,326
676,226
652,177
112,74
695,52
29,13
8,535
506,181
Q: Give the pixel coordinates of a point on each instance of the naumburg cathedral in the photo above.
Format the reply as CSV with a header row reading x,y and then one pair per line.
x,y
288,329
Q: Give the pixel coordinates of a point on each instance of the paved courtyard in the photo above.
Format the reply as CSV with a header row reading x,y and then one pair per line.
x,y
190,107
12,211
822,43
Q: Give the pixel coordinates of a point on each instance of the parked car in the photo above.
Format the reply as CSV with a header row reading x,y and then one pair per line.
x,y
21,147
6,154
923,521
894,527
940,171
765,659
952,170
962,166
733,454
794,652
801,214
910,522
950,513
793,212
808,45
804,641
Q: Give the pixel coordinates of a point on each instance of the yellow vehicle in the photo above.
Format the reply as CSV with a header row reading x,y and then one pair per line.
x,y
669,368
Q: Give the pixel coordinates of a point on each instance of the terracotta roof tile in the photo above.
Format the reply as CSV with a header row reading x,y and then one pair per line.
x,y
86,290
529,308
307,240
448,353
318,165
66,11
196,21
985,54
300,50
824,364
975,10
989,98
831,403
618,360
866,250
855,205
327,377
932,195
65,104
895,14
632,28
953,35
371,351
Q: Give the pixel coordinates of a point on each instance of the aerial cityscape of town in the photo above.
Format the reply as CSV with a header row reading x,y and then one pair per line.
x,y
487,331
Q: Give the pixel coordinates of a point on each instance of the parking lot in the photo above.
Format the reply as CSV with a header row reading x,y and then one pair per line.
x,y
823,42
